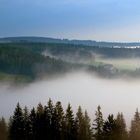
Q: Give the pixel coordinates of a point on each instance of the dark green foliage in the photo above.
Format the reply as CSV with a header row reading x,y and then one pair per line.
x,y
98,124
27,124
80,124
122,131
25,61
50,122
110,129
135,127
71,130
3,130
17,128
33,124
84,131
58,122
87,131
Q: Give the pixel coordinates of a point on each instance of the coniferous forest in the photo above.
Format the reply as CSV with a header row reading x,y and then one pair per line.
x,y
69,69
52,122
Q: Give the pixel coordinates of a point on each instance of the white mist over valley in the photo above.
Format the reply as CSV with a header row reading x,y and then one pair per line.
x,y
78,88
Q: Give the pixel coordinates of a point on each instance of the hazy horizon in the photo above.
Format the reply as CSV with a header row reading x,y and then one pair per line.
x,y
101,20
70,39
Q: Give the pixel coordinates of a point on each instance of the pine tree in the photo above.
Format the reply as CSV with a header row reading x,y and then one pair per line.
x,y
33,124
88,130
110,129
17,124
47,124
135,127
98,124
27,124
50,109
3,129
71,128
40,127
58,122
122,131
80,124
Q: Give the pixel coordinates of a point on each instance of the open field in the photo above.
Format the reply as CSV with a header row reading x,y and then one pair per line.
x,y
122,64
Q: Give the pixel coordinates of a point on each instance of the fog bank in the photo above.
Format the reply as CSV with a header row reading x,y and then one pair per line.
x,y
78,89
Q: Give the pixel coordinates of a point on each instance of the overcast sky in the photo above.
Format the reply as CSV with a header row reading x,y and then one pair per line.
x,y
108,20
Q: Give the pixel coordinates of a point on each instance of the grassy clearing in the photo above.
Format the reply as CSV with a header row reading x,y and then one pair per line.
x,y
14,78
122,64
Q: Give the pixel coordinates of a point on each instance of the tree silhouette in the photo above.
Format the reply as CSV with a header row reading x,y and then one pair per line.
x,y
17,124
122,131
135,127
110,129
88,131
3,130
98,124
71,131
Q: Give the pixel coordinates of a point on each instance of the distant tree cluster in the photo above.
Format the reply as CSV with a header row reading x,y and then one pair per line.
x,y
51,122
27,62
24,60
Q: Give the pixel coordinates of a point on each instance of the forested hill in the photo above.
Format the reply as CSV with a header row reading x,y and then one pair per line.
x,y
29,61
67,41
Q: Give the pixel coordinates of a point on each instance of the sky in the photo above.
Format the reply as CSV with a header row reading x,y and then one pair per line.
x,y
101,20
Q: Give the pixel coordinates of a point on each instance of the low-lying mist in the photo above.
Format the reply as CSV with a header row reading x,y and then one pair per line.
x,y
77,88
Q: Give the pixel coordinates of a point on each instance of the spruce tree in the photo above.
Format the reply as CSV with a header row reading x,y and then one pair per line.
x,y
122,131
3,130
71,128
80,124
47,123
98,124
135,127
58,122
27,124
110,129
40,122
33,124
17,124
88,130
50,110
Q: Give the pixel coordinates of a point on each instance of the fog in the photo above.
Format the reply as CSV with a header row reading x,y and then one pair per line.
x,y
77,88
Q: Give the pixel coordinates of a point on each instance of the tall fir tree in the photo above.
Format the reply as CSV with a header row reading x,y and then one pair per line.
x,y
50,108
58,122
27,124
80,120
40,122
47,123
135,127
33,123
88,129
98,124
110,129
71,128
17,124
122,130
3,129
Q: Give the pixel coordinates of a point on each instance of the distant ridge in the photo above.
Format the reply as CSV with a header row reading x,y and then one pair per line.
x,y
31,39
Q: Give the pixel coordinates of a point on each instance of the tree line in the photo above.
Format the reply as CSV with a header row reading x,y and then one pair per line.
x,y
51,122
